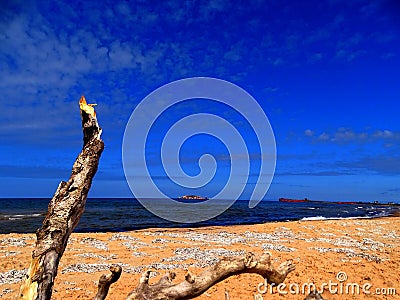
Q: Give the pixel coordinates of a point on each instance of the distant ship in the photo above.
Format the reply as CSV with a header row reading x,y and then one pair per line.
x,y
316,201
334,202
192,198
293,200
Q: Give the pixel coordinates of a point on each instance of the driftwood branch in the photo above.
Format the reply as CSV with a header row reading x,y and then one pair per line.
x,y
194,286
64,211
105,282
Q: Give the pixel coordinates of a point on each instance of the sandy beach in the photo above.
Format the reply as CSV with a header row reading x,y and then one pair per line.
x,y
359,258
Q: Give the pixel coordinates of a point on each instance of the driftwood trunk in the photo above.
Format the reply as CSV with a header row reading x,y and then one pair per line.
x,y
194,286
64,211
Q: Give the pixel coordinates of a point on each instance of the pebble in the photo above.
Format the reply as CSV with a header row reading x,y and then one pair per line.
x,y
85,268
204,258
122,237
16,242
349,253
93,255
12,276
160,241
222,237
279,248
95,243
6,291
130,246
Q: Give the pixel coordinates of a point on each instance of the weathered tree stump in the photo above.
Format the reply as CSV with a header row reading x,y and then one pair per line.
x,y
64,211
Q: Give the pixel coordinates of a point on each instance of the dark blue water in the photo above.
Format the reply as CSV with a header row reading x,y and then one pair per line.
x,y
26,215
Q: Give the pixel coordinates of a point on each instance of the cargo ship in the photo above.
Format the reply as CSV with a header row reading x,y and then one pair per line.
x,y
294,200
317,201
192,198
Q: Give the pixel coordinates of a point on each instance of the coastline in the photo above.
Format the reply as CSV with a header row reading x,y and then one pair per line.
x,y
367,250
121,215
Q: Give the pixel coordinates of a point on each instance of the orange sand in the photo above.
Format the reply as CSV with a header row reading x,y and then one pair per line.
x,y
367,250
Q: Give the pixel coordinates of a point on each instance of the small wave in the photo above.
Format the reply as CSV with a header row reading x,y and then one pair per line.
x,y
382,214
319,218
20,216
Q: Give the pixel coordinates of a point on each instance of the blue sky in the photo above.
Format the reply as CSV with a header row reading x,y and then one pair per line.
x,y
326,73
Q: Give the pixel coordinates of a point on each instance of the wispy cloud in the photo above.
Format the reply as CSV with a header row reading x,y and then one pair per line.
x,y
377,164
394,192
380,164
315,173
34,172
309,132
347,135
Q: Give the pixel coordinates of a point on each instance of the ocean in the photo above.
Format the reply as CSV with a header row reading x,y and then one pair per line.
x,y
124,214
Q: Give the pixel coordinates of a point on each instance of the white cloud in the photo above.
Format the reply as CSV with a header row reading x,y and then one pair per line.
x,y
386,134
323,137
309,132
344,135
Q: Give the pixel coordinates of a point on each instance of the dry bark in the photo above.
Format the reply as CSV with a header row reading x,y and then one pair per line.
x,y
194,286
106,281
64,211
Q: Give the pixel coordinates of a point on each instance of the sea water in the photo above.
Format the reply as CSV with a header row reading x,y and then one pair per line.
x,y
123,214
